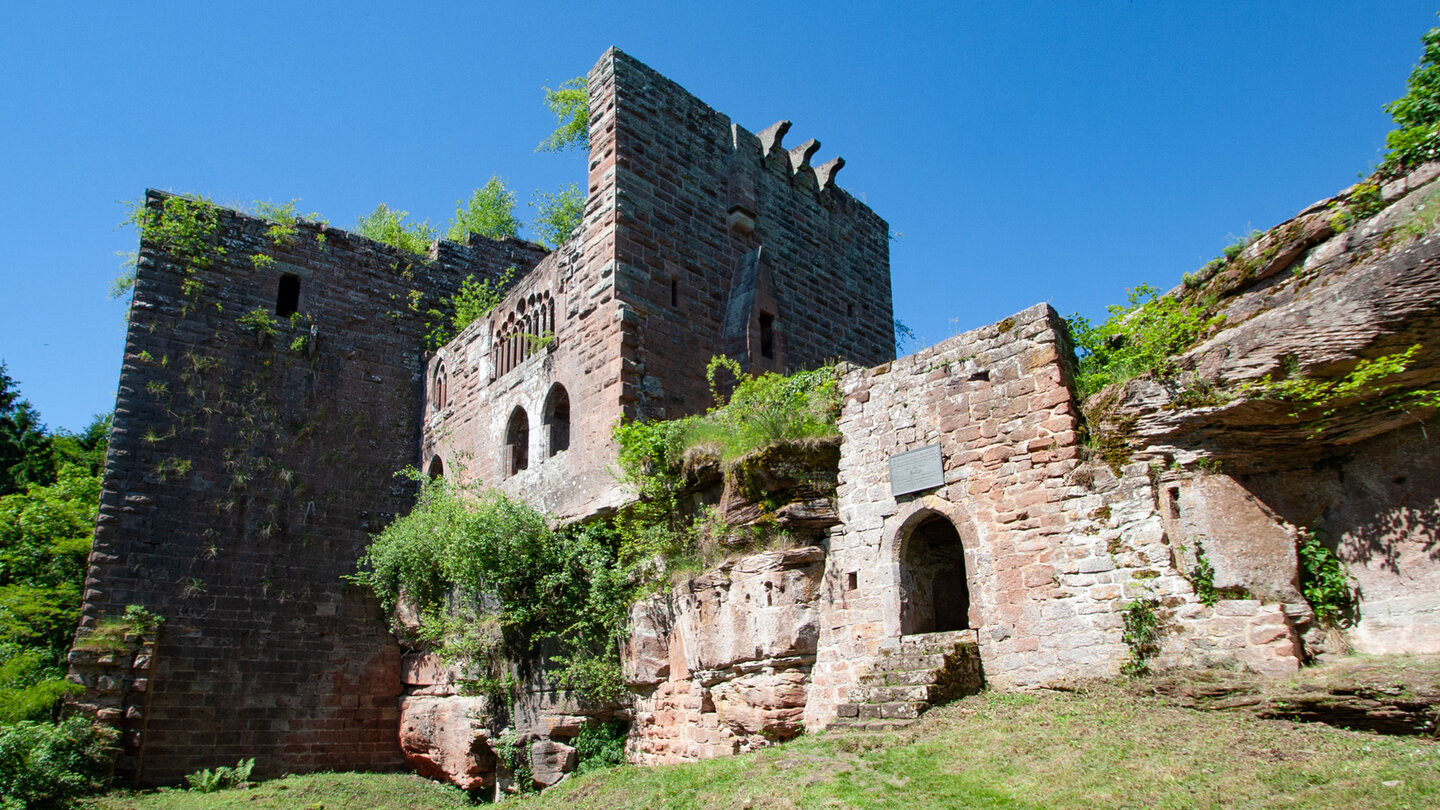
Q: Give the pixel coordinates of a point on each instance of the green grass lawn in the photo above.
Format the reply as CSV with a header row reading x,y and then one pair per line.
x,y
1101,746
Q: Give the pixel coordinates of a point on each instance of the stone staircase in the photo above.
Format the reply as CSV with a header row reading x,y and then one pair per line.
x,y
925,670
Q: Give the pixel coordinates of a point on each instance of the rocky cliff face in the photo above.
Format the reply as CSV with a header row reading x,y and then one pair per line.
x,y
1310,303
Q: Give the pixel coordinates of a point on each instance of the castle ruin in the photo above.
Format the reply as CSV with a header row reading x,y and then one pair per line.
x,y
970,537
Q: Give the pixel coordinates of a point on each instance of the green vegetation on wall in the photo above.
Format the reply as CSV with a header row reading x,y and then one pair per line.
x,y
1140,337
473,301
558,215
490,212
185,228
1373,378
761,411
389,227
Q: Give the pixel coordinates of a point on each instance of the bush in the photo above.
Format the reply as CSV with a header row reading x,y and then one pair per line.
x,y
490,212
1140,337
389,227
50,765
761,411
461,549
600,746
1325,581
30,686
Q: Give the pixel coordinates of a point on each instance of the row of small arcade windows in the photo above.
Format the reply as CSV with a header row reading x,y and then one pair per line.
x,y
555,424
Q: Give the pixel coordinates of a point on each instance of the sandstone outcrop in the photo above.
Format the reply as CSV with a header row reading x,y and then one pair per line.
x,y
1358,470
721,663
445,738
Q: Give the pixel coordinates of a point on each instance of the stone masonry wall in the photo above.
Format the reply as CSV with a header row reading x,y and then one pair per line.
x,y
1053,549
693,230
698,197
244,474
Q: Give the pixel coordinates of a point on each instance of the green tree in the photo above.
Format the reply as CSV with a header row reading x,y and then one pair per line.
x,y
571,106
558,214
489,212
1417,114
44,540
25,453
85,449
388,226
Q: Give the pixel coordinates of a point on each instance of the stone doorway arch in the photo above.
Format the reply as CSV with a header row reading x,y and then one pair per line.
x,y
934,579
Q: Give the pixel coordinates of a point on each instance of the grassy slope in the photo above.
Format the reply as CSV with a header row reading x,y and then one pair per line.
x,y
1104,746
317,791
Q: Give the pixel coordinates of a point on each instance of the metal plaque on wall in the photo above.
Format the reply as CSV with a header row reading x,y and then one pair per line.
x,y
916,470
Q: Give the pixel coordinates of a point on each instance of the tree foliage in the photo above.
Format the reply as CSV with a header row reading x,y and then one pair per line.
x,y
496,561
571,105
26,456
51,765
490,212
1416,138
558,215
47,515
388,226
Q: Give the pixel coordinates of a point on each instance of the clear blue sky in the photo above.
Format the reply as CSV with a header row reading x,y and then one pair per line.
x,y
1022,152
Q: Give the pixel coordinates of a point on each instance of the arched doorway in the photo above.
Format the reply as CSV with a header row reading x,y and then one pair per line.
x,y
437,468
934,591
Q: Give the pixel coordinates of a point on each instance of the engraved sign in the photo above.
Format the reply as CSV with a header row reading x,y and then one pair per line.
x,y
916,470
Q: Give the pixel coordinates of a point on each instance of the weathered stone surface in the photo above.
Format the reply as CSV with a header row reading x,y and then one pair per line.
x,y
737,647
550,761
770,705
445,738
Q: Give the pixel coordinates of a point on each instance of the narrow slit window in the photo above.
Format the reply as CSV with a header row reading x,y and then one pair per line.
x,y
287,300
674,292
767,336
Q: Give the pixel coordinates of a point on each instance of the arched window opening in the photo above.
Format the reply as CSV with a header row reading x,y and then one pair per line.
x,y
935,596
436,468
439,396
557,419
287,298
517,442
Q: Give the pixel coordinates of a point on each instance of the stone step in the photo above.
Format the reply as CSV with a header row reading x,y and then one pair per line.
x,y
906,661
877,693
890,710
901,677
856,724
